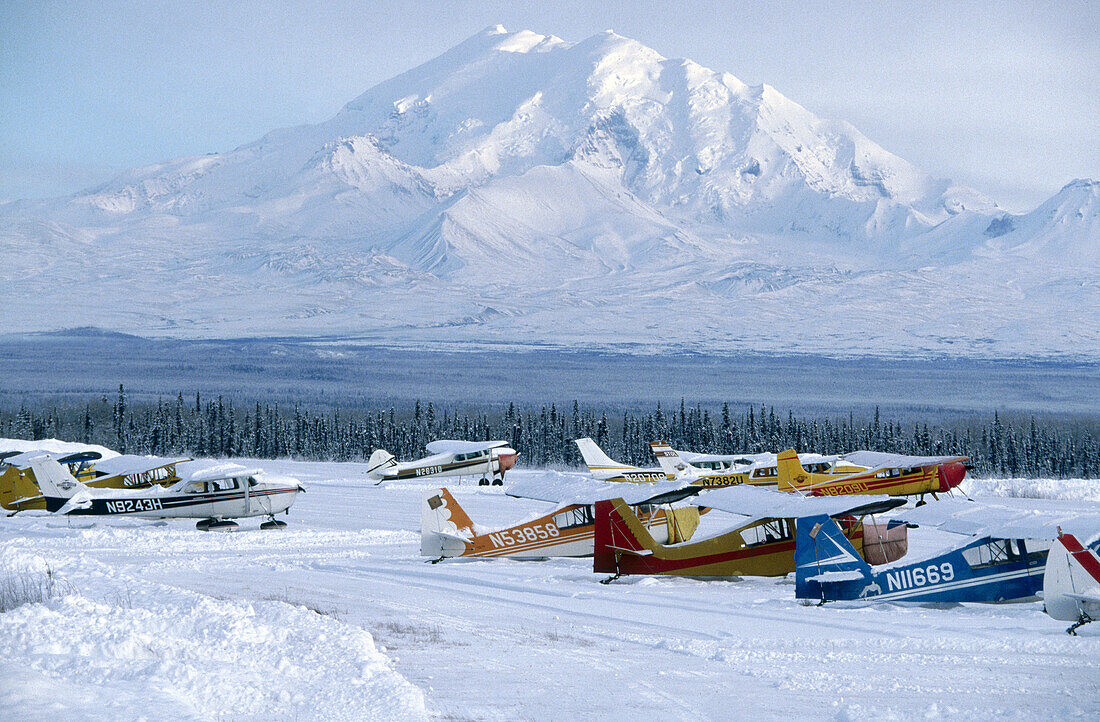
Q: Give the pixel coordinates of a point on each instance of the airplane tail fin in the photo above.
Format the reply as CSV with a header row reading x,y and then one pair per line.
x,y
444,525
16,488
670,460
792,477
54,479
820,548
1071,582
618,530
595,458
379,460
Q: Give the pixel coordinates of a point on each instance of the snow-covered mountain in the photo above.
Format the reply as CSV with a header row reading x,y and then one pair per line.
x,y
522,189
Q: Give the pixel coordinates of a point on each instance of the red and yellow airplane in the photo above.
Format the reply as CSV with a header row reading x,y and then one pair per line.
x,y
764,546
446,530
891,474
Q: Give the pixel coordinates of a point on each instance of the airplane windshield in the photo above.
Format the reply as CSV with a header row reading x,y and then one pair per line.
x,y
582,516
768,533
997,551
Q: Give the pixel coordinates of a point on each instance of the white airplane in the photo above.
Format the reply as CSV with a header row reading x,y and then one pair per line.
x,y
1071,585
214,492
604,468
490,459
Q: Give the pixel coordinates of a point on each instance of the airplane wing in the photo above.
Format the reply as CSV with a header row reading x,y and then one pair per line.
x,y
22,459
451,446
209,470
127,464
759,503
1008,518
738,459
876,460
577,489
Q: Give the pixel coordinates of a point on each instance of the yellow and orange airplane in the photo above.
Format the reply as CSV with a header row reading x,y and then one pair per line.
x,y
891,474
446,530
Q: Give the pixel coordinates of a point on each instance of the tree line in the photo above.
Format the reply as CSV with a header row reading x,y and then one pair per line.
x,y
218,427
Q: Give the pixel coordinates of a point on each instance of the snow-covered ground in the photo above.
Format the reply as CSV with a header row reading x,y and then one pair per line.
x,y
339,617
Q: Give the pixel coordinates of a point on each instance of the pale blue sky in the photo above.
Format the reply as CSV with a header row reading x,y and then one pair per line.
x,y
1004,97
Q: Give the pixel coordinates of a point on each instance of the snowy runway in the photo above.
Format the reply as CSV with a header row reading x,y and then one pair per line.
x,y
339,617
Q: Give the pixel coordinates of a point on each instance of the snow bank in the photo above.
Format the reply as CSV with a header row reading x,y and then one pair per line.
x,y
1065,489
158,651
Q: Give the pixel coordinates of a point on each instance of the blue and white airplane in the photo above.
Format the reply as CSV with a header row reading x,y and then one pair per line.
x,y
1005,563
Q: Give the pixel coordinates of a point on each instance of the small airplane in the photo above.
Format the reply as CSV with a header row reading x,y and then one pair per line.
x,y
490,459
892,474
446,530
19,490
764,546
604,468
755,469
213,492
1071,585
128,470
1004,563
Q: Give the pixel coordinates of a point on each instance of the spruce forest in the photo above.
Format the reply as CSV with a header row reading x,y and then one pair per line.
x,y
218,427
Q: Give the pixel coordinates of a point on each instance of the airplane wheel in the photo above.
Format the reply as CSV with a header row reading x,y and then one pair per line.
x,y
498,482
216,525
483,482
273,524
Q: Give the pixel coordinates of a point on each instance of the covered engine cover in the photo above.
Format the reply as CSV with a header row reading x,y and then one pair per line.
x,y
883,543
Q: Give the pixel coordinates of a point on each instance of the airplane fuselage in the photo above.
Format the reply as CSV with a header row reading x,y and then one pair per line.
x,y
565,532
759,549
492,463
986,570
262,499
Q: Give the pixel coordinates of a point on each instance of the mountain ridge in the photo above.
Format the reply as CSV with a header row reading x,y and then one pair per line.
x,y
520,172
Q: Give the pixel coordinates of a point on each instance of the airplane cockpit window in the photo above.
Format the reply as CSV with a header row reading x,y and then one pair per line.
x,y
998,551
224,484
645,509
1036,549
768,533
195,487
252,481
887,473
765,471
581,516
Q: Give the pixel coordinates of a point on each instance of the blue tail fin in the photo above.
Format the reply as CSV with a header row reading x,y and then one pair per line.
x,y
821,547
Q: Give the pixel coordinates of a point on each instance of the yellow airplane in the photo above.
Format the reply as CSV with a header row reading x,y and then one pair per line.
x,y
19,490
892,474
754,469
